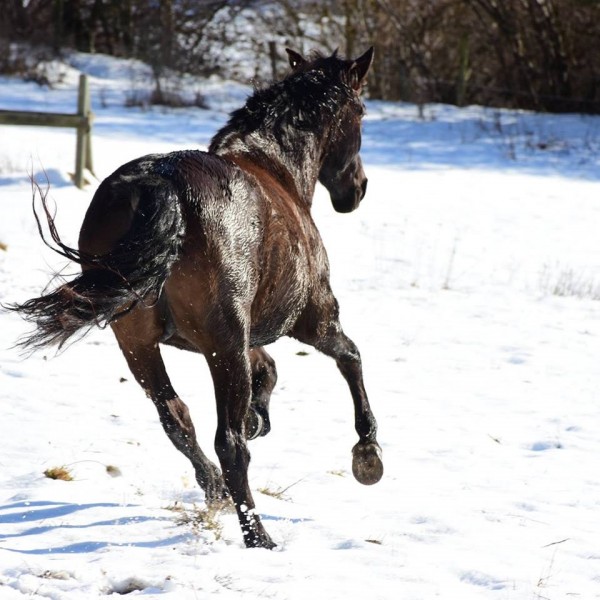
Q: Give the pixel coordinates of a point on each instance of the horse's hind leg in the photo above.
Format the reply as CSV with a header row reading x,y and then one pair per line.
x,y
264,377
139,344
320,327
232,379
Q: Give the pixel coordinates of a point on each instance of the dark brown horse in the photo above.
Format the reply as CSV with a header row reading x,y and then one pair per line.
x,y
216,252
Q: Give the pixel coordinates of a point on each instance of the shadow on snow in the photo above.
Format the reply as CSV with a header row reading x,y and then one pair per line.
x,y
44,511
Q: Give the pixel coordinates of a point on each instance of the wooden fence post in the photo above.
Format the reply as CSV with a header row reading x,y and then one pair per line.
x,y
81,120
83,147
273,57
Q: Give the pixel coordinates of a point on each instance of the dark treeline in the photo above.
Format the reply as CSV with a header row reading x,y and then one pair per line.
x,y
534,54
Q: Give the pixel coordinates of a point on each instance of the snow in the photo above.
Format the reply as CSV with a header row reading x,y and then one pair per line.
x,y
470,280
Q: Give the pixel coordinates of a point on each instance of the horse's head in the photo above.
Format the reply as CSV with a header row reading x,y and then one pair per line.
x,y
341,170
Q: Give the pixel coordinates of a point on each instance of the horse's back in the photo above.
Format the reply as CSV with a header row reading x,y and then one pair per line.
x,y
249,241
191,176
245,245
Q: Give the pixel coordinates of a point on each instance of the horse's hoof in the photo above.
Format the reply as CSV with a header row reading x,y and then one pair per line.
x,y
258,539
254,424
367,465
218,496
213,484
257,423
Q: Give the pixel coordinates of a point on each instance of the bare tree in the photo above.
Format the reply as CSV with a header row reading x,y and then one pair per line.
x,y
540,54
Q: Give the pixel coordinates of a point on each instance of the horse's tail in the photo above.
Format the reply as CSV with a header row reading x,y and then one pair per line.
x,y
111,284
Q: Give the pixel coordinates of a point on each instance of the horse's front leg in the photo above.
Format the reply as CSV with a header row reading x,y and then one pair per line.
x,y
231,373
264,377
320,327
367,464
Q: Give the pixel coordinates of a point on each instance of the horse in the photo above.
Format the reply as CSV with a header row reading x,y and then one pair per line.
x,y
216,252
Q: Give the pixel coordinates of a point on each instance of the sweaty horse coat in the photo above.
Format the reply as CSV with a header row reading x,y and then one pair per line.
x,y
217,253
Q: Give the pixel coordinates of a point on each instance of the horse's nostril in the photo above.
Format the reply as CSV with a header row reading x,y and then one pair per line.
x,y
363,188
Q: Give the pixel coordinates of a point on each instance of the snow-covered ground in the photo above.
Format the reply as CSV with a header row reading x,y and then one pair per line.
x,y
470,280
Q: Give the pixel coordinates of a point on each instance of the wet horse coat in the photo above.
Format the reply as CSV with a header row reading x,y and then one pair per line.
x,y
217,253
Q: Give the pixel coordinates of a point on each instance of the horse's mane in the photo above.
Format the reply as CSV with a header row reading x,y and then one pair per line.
x,y
306,99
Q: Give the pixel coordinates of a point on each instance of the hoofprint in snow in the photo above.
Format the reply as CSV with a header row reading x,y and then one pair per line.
x,y
470,280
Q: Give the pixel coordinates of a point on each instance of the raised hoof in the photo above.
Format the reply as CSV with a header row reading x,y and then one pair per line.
x,y
367,465
256,424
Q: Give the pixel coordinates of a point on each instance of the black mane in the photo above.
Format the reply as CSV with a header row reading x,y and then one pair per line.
x,y
305,100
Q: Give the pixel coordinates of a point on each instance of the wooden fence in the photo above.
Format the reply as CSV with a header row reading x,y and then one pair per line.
x,y
81,120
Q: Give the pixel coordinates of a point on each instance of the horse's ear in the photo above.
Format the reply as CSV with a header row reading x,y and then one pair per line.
x,y
295,59
357,73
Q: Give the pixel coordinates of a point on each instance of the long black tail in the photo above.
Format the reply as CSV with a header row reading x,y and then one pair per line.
x,y
110,285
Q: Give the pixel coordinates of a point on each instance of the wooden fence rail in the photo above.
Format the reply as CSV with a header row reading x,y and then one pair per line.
x,y
81,120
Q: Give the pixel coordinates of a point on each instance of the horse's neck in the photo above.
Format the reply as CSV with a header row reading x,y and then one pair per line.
x,y
296,170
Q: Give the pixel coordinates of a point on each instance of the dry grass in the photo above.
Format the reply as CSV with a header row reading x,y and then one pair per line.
x,y
61,473
278,492
113,471
338,472
559,280
202,519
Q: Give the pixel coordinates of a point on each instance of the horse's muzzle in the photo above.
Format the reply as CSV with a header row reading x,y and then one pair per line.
x,y
363,188
351,201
